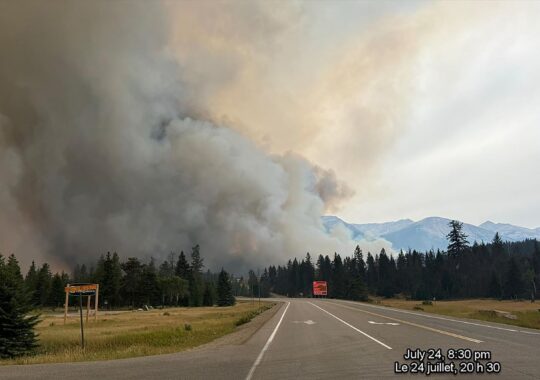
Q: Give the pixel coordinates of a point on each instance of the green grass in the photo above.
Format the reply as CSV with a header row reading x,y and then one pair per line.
x,y
527,313
135,333
251,314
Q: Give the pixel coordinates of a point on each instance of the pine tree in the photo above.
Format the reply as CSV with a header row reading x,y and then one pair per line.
x,y
182,270
182,267
337,290
17,336
149,286
57,294
30,281
371,273
196,285
497,244
224,291
131,282
110,278
43,285
457,240
358,290
513,286
386,275
209,294
360,263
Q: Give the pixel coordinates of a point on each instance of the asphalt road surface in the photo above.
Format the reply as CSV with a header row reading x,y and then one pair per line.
x,y
331,339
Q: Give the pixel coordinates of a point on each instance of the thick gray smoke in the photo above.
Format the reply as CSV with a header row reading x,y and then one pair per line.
x,y
102,147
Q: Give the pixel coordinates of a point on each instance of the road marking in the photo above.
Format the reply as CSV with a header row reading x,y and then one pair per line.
x,y
411,323
444,319
384,323
308,322
354,328
270,339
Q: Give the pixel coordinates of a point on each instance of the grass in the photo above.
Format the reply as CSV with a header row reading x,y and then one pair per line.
x,y
248,316
137,333
527,313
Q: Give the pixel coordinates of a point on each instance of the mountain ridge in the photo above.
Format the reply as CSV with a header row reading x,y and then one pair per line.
x,y
429,233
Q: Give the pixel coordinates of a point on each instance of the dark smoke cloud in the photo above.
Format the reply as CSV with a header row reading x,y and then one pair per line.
x,y
101,148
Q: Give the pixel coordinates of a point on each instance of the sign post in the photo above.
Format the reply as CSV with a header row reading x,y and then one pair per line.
x,y
320,288
81,290
80,313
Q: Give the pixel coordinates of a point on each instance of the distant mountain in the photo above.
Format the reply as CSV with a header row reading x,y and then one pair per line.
x,y
330,222
379,229
429,233
511,232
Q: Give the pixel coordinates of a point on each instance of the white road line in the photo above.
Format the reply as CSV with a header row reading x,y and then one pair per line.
x,y
354,328
442,318
443,332
270,339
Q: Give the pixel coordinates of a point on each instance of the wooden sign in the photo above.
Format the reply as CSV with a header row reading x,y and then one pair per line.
x,y
80,290
84,290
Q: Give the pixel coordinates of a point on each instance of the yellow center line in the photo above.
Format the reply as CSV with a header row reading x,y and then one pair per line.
x,y
410,323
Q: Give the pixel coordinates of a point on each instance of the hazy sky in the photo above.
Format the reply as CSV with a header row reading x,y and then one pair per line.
x,y
236,124
422,108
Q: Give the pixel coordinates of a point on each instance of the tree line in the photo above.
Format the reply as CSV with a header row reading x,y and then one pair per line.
x,y
503,270
177,281
132,283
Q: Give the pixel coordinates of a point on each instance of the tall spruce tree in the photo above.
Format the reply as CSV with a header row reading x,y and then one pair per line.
x,y
196,285
513,286
457,240
182,267
131,282
182,270
57,294
43,286
225,295
17,336
30,281
209,298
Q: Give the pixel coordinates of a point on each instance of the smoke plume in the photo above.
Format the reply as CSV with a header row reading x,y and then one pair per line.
x,y
104,145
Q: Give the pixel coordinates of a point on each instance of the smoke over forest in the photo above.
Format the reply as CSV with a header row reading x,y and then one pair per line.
x,y
107,144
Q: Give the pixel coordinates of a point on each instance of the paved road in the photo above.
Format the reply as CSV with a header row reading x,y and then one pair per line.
x,y
324,339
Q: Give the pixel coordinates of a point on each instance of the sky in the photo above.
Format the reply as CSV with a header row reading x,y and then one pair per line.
x,y
421,108
145,127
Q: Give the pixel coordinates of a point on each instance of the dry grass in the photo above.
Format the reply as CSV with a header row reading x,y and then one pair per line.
x,y
135,333
527,313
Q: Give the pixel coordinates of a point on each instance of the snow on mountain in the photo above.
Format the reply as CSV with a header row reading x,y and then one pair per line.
x,y
330,222
429,233
511,232
379,229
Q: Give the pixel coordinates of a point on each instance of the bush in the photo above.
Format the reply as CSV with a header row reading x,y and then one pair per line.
x,y
243,319
427,302
416,307
187,327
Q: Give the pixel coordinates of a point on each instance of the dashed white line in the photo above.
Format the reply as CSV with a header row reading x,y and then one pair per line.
x,y
270,339
354,328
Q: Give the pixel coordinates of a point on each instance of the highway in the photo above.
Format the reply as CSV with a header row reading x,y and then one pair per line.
x,y
331,339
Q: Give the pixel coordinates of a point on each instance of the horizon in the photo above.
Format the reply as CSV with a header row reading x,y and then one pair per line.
x,y
427,217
